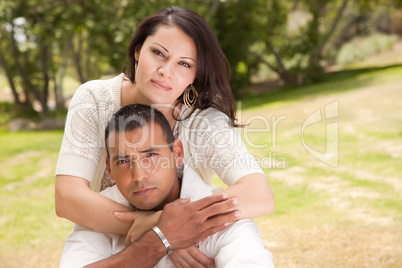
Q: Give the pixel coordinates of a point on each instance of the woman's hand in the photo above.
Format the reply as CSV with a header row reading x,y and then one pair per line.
x,y
254,194
190,257
143,221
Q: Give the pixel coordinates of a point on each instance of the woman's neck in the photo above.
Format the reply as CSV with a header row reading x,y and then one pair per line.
x,y
131,96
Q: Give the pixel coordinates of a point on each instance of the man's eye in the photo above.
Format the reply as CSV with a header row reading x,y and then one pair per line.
x,y
123,161
152,154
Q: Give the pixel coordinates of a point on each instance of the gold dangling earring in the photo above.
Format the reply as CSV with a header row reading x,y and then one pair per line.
x,y
190,96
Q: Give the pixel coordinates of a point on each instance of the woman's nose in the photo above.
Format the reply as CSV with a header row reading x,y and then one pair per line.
x,y
166,70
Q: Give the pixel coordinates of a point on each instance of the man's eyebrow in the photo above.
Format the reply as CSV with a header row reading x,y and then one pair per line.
x,y
148,150
118,157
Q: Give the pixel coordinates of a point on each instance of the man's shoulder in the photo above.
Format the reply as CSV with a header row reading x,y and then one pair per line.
x,y
193,186
114,194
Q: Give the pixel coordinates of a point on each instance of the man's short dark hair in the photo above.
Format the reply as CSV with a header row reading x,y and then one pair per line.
x,y
132,117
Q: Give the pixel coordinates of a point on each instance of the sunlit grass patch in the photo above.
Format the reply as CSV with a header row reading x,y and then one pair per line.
x,y
27,215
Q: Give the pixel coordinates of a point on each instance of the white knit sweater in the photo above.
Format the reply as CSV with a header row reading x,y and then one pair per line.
x,y
210,143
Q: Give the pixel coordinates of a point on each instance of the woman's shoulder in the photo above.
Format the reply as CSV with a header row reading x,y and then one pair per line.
x,y
98,89
99,84
211,114
202,122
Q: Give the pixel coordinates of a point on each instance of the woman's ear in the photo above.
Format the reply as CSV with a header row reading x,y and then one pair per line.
x,y
178,152
137,54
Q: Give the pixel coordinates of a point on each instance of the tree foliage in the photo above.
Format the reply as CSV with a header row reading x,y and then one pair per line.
x,y
40,40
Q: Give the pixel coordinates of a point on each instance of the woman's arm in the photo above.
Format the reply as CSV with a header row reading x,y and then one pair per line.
x,y
254,194
213,145
75,201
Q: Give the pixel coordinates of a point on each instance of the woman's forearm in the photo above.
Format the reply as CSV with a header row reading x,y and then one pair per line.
x,y
76,202
254,194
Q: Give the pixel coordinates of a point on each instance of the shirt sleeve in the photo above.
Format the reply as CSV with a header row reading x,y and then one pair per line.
x,y
84,131
85,246
239,245
214,144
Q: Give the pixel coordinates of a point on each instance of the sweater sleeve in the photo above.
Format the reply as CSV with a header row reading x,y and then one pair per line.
x,y
213,145
82,145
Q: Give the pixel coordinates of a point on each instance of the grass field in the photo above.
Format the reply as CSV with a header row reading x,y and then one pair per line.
x,y
349,215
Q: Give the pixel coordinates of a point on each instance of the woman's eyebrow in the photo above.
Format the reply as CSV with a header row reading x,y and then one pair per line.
x,y
161,47
189,58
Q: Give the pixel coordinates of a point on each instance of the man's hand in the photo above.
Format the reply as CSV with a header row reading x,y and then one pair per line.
x,y
191,257
184,223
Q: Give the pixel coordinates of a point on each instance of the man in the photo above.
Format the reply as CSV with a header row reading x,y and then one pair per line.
x,y
142,159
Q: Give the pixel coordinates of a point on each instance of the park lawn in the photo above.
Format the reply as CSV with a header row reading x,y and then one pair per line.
x,y
31,233
349,215
344,216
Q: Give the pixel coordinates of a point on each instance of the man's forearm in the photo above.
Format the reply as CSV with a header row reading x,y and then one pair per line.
x,y
145,252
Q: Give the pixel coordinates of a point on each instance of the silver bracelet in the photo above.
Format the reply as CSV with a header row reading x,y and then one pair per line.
x,y
163,238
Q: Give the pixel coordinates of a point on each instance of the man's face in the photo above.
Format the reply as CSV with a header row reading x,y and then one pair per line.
x,y
144,167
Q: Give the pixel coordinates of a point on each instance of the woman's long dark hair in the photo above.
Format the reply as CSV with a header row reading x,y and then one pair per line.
x,y
213,71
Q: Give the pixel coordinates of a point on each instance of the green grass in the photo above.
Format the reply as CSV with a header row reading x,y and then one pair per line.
x,y
27,217
332,83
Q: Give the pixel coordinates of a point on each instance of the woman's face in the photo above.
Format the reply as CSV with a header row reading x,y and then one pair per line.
x,y
166,66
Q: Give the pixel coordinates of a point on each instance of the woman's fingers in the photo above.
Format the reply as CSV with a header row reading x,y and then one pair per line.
x,y
125,216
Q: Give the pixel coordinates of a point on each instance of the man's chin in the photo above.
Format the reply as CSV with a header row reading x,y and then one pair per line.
x,y
145,206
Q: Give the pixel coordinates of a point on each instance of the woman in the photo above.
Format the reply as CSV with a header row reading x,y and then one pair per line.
x,y
176,64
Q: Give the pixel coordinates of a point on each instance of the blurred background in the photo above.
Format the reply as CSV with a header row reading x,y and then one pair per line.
x,y
288,60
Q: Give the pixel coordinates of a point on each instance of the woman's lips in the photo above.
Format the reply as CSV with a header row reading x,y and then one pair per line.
x,y
160,85
144,191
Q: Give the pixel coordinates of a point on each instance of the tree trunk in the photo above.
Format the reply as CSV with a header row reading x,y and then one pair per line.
x,y
77,52
10,80
58,84
45,89
212,10
316,54
28,87
288,78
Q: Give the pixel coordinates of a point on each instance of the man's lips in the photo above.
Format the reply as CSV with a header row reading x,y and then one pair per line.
x,y
144,191
160,85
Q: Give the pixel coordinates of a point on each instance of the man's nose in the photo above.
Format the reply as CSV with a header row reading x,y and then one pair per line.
x,y
139,170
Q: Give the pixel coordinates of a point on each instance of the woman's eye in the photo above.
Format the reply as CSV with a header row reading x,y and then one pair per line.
x,y
123,161
185,64
157,52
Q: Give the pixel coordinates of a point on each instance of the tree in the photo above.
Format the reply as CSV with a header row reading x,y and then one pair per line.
x,y
29,34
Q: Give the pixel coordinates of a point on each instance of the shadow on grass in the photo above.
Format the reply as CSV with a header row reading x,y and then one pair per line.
x,y
329,83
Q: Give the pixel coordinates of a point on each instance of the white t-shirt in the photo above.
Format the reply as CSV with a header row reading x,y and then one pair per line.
x,y
239,245
210,144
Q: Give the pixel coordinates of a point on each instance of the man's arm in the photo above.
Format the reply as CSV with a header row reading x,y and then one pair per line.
x,y
183,224
145,252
